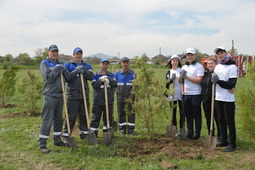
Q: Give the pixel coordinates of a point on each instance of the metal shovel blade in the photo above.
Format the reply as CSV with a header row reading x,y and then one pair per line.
x,y
171,130
115,126
72,143
92,138
210,142
183,134
107,138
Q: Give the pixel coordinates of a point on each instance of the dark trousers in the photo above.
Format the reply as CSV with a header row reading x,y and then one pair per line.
x,y
180,111
192,110
226,116
97,111
126,120
76,107
207,110
51,114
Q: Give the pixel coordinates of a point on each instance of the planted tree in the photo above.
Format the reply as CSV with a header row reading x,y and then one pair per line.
x,y
31,87
149,101
7,83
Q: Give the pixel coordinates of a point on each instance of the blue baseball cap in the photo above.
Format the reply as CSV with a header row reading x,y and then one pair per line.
x,y
77,49
104,60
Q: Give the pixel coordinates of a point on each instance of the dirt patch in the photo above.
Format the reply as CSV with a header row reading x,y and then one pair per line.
x,y
174,148
8,106
15,115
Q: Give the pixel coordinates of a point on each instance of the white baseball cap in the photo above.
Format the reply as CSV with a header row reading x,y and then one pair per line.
x,y
175,56
191,51
219,48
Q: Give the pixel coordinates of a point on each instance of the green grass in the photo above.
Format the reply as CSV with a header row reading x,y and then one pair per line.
x,y
19,148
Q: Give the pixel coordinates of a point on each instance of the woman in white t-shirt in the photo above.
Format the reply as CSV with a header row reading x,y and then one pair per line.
x,y
225,77
172,76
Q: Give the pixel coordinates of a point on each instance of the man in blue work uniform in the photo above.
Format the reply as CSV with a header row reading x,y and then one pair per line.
x,y
75,103
125,77
99,105
51,69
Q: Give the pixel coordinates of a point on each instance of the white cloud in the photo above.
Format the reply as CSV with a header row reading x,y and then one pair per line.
x,y
126,26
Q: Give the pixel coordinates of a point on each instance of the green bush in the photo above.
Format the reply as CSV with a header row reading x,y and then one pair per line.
x,y
247,103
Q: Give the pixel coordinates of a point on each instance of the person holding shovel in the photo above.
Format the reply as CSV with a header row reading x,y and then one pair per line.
x,y
192,74
101,77
225,77
51,69
125,77
172,77
75,103
207,94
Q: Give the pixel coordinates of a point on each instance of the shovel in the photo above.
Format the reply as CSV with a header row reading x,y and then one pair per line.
x,y
183,133
108,135
171,129
210,141
91,135
71,142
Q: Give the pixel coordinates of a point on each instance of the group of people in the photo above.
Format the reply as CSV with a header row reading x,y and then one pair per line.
x,y
52,70
193,85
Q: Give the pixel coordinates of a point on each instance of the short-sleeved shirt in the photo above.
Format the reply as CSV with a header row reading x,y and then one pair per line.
x,y
193,70
225,72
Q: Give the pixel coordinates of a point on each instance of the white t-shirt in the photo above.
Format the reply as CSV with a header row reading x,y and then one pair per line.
x,y
225,72
193,70
177,85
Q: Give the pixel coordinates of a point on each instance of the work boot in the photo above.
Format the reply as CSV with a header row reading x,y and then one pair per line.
x,y
84,136
65,141
60,144
122,132
44,150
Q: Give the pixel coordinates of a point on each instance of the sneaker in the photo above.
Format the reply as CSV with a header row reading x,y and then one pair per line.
x,y
229,149
221,144
177,133
195,137
60,144
44,150
189,136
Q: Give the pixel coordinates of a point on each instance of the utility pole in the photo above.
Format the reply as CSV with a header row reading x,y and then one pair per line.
x,y
160,50
233,48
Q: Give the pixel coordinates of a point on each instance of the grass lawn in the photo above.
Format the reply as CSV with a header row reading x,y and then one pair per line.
x,y
19,147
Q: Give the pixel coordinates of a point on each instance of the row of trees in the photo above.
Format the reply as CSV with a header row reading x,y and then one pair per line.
x,y
40,54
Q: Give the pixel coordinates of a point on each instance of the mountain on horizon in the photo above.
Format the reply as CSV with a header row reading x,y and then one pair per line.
x,y
101,55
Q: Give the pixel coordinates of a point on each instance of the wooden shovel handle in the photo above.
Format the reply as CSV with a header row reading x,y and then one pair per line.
x,y
65,103
212,112
85,101
106,105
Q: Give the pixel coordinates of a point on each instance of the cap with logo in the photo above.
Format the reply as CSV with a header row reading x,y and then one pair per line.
x,y
191,51
124,59
53,48
76,50
104,60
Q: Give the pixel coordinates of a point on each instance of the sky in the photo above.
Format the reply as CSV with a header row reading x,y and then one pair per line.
x,y
126,28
